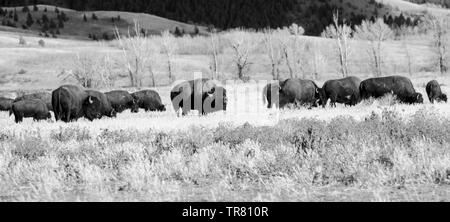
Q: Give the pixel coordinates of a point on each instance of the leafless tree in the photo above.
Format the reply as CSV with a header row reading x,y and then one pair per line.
x,y
291,45
317,59
342,34
169,48
214,53
274,51
440,29
408,58
242,45
376,33
137,53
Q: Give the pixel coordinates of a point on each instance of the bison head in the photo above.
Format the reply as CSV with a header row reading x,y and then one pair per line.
x,y
92,107
134,106
418,98
443,97
321,97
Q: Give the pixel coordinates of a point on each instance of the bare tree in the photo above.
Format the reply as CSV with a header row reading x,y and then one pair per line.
x,y
408,58
292,48
137,53
274,51
342,34
91,70
376,33
169,48
242,45
214,53
440,29
317,59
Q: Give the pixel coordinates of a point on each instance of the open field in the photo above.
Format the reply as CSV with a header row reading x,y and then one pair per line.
x,y
376,151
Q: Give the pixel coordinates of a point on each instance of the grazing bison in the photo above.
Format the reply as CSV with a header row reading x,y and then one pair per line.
x,y
191,95
122,100
106,108
300,92
435,93
399,86
271,95
73,102
215,102
149,100
345,91
30,108
44,96
5,104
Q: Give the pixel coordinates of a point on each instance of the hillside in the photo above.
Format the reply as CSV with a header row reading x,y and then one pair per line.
x,y
102,27
442,3
414,8
313,15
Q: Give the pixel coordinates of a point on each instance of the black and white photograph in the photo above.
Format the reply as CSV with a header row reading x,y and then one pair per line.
x,y
232,101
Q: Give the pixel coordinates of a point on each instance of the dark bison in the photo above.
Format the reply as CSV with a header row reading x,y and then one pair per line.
x,y
435,93
191,95
5,104
301,93
30,108
216,101
271,94
73,102
344,91
46,97
149,100
399,86
122,100
106,108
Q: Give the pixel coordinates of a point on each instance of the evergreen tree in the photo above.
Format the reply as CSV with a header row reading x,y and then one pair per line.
x,y
45,18
196,30
45,9
30,20
52,24
16,16
35,8
84,18
177,32
25,9
94,16
56,10
2,12
60,23
63,16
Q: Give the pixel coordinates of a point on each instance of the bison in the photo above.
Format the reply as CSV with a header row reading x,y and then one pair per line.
x,y
122,100
73,102
5,104
106,108
399,86
435,93
271,95
191,95
216,101
148,100
30,108
46,97
344,91
300,92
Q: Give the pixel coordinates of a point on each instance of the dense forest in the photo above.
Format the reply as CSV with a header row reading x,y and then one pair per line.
x,y
313,15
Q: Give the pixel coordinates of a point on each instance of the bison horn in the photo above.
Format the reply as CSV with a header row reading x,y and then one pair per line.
x,y
90,100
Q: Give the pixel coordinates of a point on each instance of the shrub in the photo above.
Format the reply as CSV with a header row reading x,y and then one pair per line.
x,y
41,43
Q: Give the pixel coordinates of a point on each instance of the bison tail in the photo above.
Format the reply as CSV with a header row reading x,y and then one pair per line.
x,y
10,112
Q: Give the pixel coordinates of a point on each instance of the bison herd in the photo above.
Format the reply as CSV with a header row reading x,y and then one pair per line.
x,y
349,91
70,103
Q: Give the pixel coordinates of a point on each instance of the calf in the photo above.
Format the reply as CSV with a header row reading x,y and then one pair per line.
x,y
435,93
33,108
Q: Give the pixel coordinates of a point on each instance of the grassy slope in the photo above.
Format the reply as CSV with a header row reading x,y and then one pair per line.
x,y
77,28
413,7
